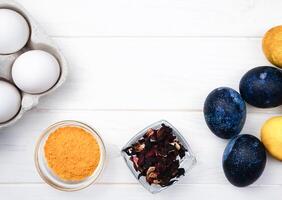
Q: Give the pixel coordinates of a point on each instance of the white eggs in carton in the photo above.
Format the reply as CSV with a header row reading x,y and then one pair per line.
x,y
35,71
14,31
31,65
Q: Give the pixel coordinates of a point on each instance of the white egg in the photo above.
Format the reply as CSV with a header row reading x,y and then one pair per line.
x,y
14,31
35,71
10,101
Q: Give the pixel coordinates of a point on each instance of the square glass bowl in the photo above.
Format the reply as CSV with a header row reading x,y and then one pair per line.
x,y
187,162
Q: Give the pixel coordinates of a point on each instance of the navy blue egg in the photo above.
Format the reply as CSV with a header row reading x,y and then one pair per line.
x,y
244,160
225,112
262,87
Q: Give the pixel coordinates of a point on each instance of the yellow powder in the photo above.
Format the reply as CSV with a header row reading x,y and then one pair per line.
x,y
72,153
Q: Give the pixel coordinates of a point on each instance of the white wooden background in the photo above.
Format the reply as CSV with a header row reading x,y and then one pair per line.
x,y
133,62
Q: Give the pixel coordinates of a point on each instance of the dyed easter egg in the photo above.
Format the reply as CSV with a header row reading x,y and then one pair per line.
x,y
272,45
271,136
225,112
244,159
262,87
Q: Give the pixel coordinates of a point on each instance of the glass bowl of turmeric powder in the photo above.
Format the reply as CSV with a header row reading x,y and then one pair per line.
x,y
70,155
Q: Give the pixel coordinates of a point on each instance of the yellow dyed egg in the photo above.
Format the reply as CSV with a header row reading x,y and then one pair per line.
x,y
272,45
271,136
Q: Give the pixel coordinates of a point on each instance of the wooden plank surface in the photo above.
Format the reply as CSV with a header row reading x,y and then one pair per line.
x,y
133,63
151,73
156,17
135,192
116,128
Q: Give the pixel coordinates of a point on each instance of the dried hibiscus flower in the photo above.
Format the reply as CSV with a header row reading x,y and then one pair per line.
x,y
156,156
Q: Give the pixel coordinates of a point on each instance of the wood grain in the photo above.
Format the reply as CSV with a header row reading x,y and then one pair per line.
x,y
151,73
136,192
202,18
133,63
116,128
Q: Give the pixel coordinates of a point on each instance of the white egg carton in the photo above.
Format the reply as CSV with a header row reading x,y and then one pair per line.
x,y
39,40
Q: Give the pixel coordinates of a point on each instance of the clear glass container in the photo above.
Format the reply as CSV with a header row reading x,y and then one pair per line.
x,y
46,173
187,162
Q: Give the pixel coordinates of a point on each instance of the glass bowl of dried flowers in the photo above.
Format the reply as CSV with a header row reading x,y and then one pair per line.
x,y
158,156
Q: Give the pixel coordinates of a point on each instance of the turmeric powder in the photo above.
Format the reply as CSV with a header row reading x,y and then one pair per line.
x,y
72,153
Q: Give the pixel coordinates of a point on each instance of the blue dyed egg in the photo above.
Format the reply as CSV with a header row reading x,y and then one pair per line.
x,y
244,160
225,112
262,87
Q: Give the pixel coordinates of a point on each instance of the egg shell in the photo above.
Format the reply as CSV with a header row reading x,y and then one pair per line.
x,y
225,112
35,71
14,31
38,40
10,101
262,87
272,45
244,160
271,136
